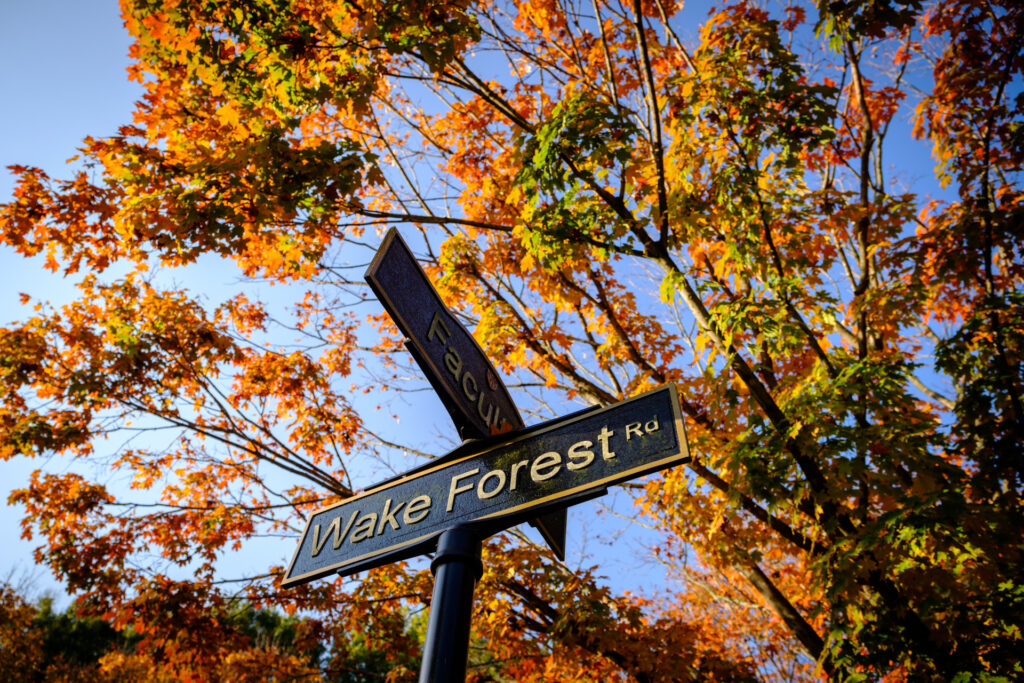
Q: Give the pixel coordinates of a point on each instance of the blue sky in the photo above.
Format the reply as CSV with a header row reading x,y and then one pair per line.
x,y
62,77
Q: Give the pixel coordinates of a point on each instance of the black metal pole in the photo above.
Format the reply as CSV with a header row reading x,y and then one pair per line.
x,y
456,566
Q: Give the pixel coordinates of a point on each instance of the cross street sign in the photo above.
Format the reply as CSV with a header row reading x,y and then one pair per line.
x,y
458,369
461,373
506,480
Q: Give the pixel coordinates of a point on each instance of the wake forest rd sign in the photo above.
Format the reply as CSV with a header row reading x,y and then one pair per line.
x,y
458,369
546,467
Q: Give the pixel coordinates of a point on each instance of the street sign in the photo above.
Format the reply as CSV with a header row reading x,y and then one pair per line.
x,y
450,357
507,480
457,367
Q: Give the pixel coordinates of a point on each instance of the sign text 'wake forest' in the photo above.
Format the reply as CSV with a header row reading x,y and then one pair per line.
x,y
533,470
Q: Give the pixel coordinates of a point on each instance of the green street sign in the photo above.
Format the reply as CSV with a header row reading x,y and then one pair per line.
x,y
453,361
494,485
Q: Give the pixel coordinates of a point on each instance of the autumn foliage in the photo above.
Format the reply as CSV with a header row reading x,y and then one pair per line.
x,y
614,196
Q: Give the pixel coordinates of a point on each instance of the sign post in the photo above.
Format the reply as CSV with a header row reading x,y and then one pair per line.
x,y
507,476
457,567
